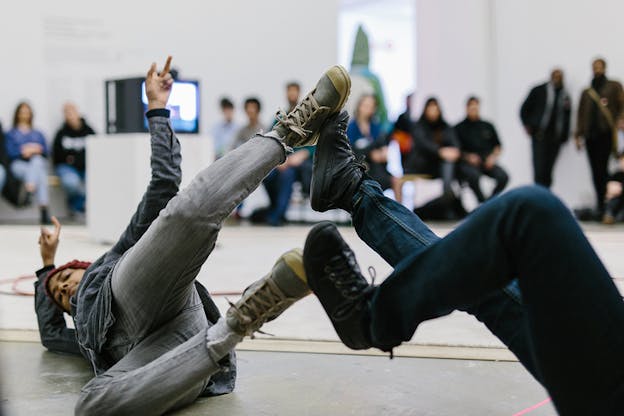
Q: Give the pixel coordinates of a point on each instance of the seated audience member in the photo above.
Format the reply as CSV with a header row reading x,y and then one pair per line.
x,y
614,198
400,144
368,141
279,183
303,156
480,149
27,151
252,108
404,121
224,132
69,156
279,187
435,147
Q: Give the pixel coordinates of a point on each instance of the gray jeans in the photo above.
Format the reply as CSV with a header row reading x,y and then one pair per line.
x,y
33,172
161,338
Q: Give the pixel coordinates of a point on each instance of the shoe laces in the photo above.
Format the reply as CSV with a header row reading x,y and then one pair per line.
x,y
343,271
259,305
295,120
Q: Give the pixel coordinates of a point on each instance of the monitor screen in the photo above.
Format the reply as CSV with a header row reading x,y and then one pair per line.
x,y
183,104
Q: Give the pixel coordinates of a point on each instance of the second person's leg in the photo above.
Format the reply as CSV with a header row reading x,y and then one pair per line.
x,y
575,311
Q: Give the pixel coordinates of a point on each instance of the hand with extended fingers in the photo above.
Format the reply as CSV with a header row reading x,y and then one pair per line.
x,y
158,85
48,242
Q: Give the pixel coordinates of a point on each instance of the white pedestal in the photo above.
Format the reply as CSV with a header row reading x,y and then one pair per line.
x,y
118,172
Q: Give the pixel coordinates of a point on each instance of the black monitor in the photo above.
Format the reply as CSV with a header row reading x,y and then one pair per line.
x,y
126,104
183,104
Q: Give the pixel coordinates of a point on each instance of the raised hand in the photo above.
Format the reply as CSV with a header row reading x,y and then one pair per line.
x,y
158,86
49,241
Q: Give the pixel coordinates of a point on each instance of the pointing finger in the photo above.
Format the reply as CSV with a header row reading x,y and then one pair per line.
x,y
167,67
57,226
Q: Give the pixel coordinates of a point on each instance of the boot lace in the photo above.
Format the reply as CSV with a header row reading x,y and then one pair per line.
x,y
266,301
343,271
296,119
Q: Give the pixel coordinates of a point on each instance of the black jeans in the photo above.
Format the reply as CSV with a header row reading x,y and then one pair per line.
x,y
471,174
598,151
574,312
545,152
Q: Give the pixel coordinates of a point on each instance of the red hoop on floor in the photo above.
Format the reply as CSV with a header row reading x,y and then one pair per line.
x,y
15,291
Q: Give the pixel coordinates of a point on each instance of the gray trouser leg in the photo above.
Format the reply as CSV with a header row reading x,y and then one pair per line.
x,y
154,279
138,386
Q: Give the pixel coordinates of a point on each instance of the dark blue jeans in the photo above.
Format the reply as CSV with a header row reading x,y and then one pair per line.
x,y
573,313
396,233
279,186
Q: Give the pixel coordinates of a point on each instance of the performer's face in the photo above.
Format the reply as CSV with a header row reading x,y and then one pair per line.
x,y
64,284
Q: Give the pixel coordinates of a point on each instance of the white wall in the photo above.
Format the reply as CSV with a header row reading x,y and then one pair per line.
x,y
498,49
454,54
56,51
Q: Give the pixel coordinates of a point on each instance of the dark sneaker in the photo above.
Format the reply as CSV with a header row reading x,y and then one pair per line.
x,y
608,219
44,217
336,173
24,197
301,126
334,277
267,298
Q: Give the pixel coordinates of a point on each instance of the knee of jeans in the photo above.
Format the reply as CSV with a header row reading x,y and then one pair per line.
x,y
38,160
93,401
71,183
503,178
536,199
184,212
473,179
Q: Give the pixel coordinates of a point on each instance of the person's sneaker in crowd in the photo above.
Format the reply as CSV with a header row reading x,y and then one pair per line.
x,y
24,196
268,297
336,173
334,277
608,218
301,126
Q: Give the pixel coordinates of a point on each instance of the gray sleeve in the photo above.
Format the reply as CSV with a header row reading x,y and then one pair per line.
x,y
165,181
53,331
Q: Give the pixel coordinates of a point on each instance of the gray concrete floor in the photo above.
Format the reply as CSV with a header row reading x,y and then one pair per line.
x,y
37,382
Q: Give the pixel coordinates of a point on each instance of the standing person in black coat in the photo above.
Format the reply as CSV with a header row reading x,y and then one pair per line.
x,y
545,115
69,156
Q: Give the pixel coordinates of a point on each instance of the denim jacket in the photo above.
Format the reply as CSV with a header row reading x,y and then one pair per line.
x,y
91,306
